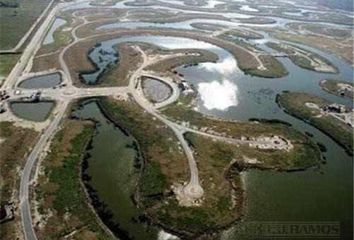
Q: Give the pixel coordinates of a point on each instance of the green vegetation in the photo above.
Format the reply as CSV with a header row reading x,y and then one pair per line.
x,y
304,155
158,145
248,63
338,87
16,21
183,113
243,34
274,68
59,190
16,142
165,164
7,62
304,58
61,38
294,104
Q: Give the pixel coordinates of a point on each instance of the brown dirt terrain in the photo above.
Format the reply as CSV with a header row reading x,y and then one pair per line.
x,y
45,62
16,143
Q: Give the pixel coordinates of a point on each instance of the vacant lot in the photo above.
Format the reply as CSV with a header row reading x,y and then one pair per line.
x,y
16,21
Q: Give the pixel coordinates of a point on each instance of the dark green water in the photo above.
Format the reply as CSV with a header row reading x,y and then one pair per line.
x,y
113,175
45,81
34,111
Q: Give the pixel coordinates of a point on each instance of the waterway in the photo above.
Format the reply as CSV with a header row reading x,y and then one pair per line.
x,y
315,196
310,196
58,22
111,159
44,81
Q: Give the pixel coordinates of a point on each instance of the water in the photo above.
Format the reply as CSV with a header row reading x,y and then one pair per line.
x,y
324,195
37,112
57,24
304,196
103,59
113,175
44,81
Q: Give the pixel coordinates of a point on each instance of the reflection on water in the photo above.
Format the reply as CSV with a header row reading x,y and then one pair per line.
x,y
219,96
324,195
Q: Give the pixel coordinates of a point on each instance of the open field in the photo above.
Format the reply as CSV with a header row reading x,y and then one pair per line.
x,y
322,30
62,35
337,87
304,58
129,61
45,62
7,62
242,33
15,144
340,47
16,21
295,104
301,157
61,199
186,57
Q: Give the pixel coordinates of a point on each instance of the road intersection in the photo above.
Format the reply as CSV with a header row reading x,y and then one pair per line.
x,y
187,194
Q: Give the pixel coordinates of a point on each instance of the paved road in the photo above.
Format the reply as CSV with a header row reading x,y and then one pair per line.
x,y
26,173
193,190
30,50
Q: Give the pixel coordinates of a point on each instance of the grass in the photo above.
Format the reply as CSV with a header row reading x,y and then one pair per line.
x,y
182,112
129,61
59,190
158,144
296,55
294,104
15,22
61,38
331,86
16,144
165,164
7,62
243,34
248,63
340,47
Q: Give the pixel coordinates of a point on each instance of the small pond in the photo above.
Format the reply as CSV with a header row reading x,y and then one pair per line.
x,y
33,111
44,81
